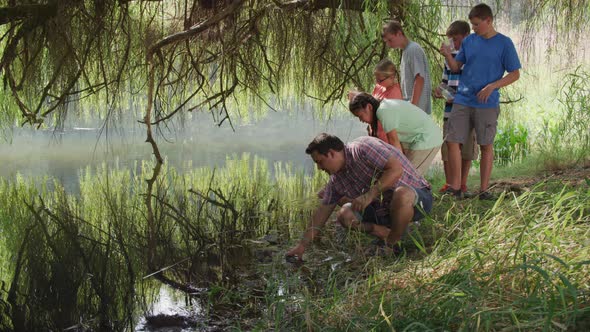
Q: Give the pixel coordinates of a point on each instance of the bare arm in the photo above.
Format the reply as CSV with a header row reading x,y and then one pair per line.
x,y
318,220
392,172
394,139
510,78
417,91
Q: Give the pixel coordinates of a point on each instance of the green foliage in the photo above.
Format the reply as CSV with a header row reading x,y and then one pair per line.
x,y
568,134
511,144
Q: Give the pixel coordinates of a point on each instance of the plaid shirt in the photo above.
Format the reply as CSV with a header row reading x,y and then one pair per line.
x,y
365,158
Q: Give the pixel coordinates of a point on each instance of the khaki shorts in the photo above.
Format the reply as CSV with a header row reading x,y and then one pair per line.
x,y
420,159
464,118
469,150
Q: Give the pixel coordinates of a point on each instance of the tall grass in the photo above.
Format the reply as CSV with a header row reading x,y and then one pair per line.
x,y
522,264
84,256
569,134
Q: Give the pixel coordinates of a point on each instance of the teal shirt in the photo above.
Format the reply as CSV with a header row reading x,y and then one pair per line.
x,y
413,126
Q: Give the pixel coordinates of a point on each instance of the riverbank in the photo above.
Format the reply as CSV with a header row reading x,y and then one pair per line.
x,y
520,262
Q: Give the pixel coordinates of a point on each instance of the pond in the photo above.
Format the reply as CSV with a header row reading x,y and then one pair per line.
x,y
63,154
77,255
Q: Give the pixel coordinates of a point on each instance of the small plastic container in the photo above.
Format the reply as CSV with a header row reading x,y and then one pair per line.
x,y
447,92
451,45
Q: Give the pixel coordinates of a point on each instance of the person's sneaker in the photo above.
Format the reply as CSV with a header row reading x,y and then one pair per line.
x,y
454,192
469,194
444,188
486,196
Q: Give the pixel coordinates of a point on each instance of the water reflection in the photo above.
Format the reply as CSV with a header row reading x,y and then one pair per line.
x,y
280,136
75,262
171,311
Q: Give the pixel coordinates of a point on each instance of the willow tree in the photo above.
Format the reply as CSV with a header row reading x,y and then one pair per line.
x,y
187,55
204,51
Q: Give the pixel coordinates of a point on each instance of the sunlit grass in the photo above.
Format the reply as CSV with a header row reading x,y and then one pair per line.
x,y
521,263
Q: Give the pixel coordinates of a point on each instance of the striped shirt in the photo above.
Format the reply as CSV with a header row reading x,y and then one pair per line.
x,y
452,81
365,159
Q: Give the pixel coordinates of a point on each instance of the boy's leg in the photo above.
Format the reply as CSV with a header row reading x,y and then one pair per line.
x,y
444,154
469,152
486,123
454,165
459,128
465,167
486,164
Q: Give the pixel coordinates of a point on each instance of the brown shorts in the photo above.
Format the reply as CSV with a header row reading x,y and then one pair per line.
x,y
464,118
469,150
420,159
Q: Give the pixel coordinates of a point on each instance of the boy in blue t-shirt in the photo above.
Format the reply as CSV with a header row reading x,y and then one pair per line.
x,y
485,56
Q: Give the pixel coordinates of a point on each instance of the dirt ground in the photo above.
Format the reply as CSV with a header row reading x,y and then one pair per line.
x,y
573,176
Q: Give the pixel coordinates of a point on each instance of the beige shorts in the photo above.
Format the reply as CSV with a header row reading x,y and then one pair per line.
x,y
420,159
464,118
469,150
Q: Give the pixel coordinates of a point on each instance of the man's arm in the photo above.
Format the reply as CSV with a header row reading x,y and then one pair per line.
x,y
392,172
510,78
418,87
318,220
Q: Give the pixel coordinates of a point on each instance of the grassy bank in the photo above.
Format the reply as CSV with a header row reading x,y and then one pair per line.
x,y
521,263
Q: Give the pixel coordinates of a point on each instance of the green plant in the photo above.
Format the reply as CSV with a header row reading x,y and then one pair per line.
x,y
511,144
568,136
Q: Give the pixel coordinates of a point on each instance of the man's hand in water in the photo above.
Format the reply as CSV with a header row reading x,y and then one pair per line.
x,y
296,252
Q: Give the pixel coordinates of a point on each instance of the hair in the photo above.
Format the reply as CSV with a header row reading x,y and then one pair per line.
x,y
323,143
458,28
387,67
481,11
393,27
361,100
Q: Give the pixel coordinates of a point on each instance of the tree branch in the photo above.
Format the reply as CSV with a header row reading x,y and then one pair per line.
x,y
312,5
195,29
36,12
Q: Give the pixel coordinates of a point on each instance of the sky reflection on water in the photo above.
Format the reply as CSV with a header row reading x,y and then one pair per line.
x,y
278,137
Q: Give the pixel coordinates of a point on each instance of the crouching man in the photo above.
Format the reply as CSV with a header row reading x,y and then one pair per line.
x,y
376,179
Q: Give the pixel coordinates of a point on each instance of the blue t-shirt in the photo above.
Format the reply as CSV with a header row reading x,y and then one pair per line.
x,y
485,61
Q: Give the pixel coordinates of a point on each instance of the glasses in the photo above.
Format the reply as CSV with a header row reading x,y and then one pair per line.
x,y
379,81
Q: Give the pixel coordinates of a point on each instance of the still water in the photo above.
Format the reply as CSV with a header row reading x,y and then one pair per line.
x,y
59,280
198,142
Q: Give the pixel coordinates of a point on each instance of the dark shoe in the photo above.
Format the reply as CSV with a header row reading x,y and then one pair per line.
x,y
468,194
486,196
454,192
